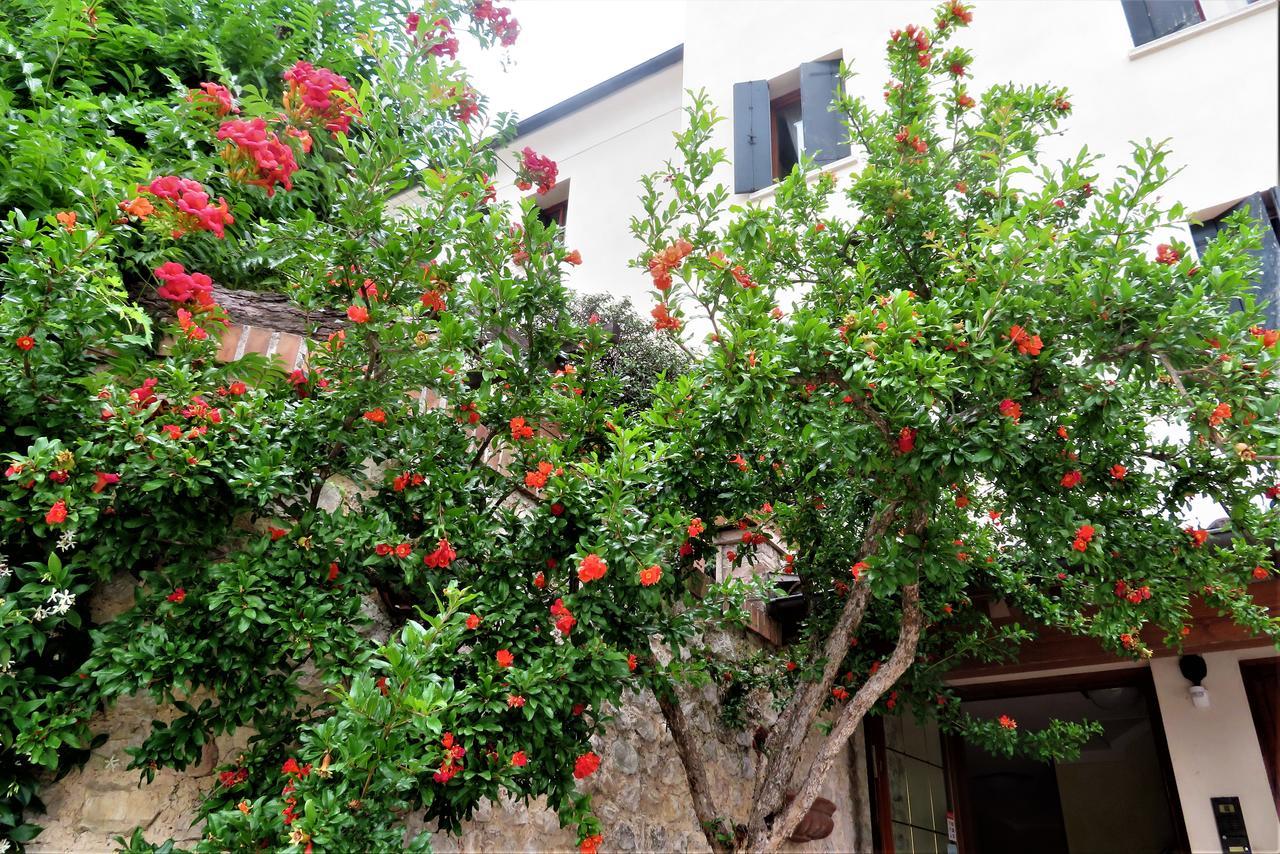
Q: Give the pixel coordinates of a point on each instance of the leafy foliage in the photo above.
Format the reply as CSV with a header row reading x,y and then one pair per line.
x,y
982,383
985,382
264,517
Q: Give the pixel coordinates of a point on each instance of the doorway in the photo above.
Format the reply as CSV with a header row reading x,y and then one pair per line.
x,y
1262,688
1116,797
935,793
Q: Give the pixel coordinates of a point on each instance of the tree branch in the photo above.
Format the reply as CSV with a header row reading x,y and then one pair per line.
x,y
782,748
695,767
850,717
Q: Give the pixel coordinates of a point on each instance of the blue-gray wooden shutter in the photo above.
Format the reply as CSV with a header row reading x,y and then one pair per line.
x,y
1268,255
1151,19
752,140
825,137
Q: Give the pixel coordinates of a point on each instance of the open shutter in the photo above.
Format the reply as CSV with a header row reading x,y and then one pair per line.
x,y
752,154
1260,207
825,138
1151,19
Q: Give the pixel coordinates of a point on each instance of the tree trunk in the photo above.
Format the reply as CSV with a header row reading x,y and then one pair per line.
x,y
850,717
782,749
695,769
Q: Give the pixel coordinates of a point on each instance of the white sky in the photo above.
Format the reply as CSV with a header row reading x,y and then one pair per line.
x,y
566,46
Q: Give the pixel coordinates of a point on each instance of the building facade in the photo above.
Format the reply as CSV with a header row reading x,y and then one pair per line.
x,y
1175,769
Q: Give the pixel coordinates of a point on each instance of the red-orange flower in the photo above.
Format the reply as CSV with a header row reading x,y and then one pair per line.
x,y
24,342
177,596
590,845
651,575
592,568
358,314
538,479
1028,344
565,621
442,556
906,440
1084,534
67,219
1008,722
1266,337
1071,479
377,416
105,479
1199,536
473,621
574,258
505,658
662,318
57,513
140,207
585,765
520,430
1118,471
1011,409
1220,413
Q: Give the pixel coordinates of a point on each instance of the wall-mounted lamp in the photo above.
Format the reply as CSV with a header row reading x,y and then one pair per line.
x,y
1194,670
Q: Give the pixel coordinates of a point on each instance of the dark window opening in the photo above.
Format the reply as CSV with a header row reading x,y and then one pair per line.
x,y
555,214
1152,19
788,134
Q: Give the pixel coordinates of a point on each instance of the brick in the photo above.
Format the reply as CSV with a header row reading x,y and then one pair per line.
x,y
230,340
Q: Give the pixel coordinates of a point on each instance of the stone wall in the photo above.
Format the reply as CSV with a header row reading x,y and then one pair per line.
x,y
640,793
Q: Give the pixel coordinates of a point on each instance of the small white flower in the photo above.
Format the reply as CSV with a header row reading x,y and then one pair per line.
x,y
111,763
40,614
67,541
4,846
60,601
5,572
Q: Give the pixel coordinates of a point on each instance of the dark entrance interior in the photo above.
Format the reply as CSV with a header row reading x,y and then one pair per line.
x,y
1262,687
1115,798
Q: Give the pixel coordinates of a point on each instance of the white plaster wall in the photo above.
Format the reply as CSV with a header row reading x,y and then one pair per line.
x,y
601,151
1211,89
1215,751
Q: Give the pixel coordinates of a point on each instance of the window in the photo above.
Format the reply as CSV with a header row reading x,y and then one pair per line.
x,y
772,131
555,214
553,207
1264,207
1151,19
